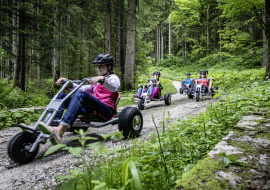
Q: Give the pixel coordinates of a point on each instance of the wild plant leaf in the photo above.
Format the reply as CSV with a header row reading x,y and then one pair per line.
x,y
63,177
94,145
125,173
135,174
225,162
53,149
75,150
233,158
69,184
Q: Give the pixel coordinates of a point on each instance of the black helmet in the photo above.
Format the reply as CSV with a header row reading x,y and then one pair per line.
x,y
104,59
156,73
153,80
188,73
202,72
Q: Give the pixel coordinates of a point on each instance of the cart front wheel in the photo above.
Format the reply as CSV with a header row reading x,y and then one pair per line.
x,y
167,99
19,147
197,95
130,122
141,104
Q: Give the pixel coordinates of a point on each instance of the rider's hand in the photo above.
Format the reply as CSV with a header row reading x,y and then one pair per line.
x,y
157,82
96,79
58,82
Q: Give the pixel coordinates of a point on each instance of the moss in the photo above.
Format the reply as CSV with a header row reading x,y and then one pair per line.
x,y
248,148
202,176
263,135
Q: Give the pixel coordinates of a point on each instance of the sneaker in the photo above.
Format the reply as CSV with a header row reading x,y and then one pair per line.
x,y
135,96
148,97
51,130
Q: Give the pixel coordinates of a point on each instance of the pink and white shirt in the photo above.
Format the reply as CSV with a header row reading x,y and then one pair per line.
x,y
106,92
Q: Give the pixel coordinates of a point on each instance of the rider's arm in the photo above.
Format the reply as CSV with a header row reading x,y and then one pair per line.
x,y
112,83
85,88
160,86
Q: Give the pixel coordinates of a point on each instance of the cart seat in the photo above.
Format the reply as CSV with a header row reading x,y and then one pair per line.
x,y
97,117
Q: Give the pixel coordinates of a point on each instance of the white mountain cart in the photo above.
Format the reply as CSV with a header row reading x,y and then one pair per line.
x,y
143,99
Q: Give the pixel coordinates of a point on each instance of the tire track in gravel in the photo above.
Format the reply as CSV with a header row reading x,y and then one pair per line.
x,y
41,171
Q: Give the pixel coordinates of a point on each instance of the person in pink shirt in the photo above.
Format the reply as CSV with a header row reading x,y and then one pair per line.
x,y
99,96
204,81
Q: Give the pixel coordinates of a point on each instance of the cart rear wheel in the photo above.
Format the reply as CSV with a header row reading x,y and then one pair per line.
x,y
19,147
130,122
141,104
190,96
167,99
181,91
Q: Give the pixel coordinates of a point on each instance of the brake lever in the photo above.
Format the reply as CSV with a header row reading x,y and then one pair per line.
x,y
63,81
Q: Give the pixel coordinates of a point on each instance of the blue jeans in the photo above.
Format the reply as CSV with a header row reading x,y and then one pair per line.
x,y
204,89
149,92
81,103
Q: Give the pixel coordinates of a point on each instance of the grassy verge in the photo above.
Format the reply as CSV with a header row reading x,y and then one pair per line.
x,y
165,158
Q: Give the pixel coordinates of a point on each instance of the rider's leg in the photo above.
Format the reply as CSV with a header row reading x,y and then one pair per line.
x,y
155,93
81,103
139,92
183,86
204,88
210,85
63,107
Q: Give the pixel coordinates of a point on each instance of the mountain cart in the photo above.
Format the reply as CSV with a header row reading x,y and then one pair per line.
x,y
24,146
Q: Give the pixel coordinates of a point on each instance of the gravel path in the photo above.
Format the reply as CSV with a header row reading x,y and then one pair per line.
x,y
41,171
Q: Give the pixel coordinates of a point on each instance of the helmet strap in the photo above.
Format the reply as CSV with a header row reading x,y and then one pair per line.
x,y
107,70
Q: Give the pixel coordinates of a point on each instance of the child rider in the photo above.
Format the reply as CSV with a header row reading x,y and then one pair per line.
x,y
159,86
103,88
150,87
187,81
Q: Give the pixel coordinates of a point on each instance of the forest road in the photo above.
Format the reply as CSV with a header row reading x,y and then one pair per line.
x,y
41,172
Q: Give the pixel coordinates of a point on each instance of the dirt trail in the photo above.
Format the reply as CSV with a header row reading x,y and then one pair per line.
x,y
41,171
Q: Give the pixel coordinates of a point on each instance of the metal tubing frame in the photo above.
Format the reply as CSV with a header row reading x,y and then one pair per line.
x,y
41,135
96,125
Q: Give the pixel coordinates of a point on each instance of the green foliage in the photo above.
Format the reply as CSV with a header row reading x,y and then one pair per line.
x,y
10,119
15,98
227,159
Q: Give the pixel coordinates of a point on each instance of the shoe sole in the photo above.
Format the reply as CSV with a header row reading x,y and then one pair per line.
x,y
46,131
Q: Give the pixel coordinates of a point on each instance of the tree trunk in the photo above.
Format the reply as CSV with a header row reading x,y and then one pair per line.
x,y
207,35
81,51
23,51
14,39
170,39
89,52
267,33
108,28
131,44
220,57
185,43
251,30
121,43
157,45
264,63
17,66
162,50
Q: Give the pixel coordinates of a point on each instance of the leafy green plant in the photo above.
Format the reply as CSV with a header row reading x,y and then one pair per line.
x,y
227,159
